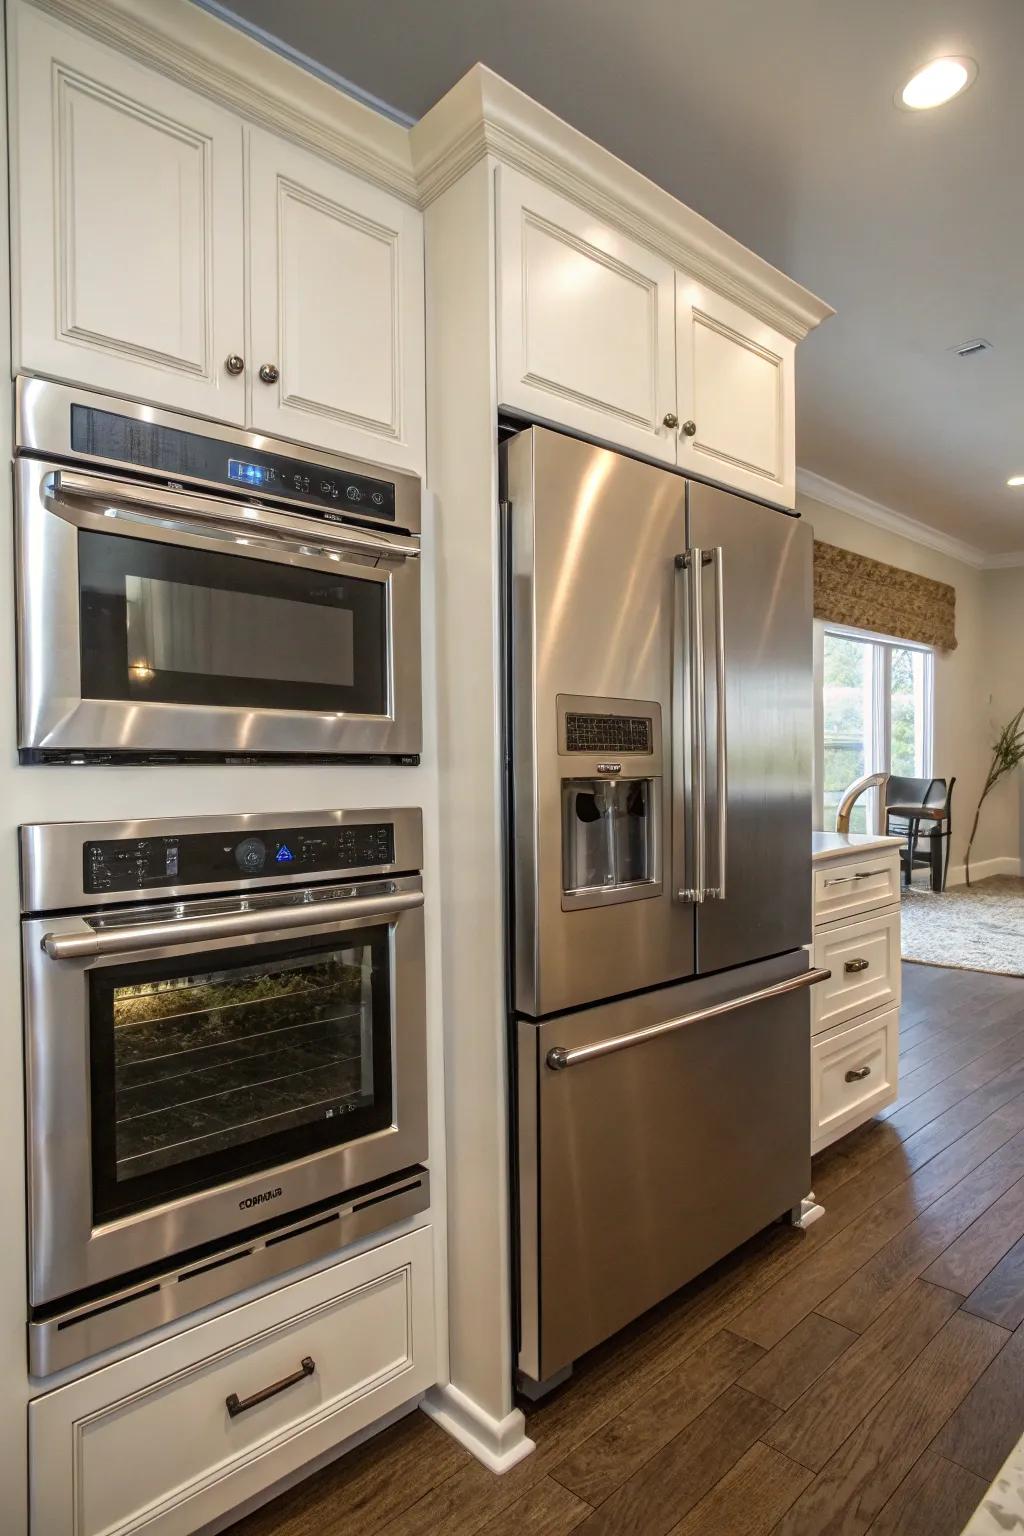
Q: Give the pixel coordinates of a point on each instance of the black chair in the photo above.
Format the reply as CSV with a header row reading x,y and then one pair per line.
x,y
921,809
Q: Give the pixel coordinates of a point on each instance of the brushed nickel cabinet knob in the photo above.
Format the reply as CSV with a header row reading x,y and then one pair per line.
x,y
689,428
671,419
269,373
234,363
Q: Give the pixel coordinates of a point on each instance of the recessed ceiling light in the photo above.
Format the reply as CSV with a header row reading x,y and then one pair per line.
x,y
936,83
1016,480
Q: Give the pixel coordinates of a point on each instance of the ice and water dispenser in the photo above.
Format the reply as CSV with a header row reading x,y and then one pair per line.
x,y
610,760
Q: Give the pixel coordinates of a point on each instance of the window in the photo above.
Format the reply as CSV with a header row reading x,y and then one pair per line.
x,y
874,716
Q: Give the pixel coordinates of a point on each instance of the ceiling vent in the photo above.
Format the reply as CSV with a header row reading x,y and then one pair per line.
x,y
972,348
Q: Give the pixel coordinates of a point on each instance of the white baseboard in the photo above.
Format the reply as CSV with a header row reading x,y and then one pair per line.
x,y
982,870
498,1443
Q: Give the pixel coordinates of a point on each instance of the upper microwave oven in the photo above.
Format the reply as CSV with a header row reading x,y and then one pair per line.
x,y
192,592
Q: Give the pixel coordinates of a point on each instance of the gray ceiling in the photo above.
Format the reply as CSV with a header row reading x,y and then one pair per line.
x,y
775,119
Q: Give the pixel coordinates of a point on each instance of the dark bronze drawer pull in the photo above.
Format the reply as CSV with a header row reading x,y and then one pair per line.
x,y
858,1074
236,1405
852,966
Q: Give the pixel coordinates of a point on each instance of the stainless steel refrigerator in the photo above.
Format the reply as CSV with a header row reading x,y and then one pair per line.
x,y
659,821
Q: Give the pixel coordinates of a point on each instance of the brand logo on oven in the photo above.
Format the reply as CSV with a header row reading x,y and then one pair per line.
x,y
260,1199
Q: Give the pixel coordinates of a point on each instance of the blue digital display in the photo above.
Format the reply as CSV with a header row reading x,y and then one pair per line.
x,y
249,474
284,854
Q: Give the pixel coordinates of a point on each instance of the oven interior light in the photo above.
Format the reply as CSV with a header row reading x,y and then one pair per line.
x,y
141,671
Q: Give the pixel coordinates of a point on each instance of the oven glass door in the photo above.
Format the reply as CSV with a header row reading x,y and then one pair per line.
x,y
168,623
203,1068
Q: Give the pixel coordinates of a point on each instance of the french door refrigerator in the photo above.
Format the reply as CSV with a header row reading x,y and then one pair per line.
x,y
659,721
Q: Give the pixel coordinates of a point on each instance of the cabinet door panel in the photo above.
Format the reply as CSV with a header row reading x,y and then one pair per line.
x,y
736,386
337,307
135,186
584,321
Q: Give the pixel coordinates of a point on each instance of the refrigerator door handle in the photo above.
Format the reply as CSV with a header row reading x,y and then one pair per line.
x,y
559,1056
683,871
698,724
721,733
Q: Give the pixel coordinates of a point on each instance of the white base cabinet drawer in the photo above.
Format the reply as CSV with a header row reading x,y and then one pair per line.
x,y
844,888
150,1443
864,958
854,1074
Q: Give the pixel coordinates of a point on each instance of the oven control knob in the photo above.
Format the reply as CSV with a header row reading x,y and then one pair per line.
x,y
251,855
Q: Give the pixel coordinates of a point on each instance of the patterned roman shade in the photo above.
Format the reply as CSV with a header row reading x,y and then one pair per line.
x,y
866,594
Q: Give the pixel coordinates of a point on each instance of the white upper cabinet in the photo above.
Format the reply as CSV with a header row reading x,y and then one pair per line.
x,y
599,334
127,225
336,343
735,382
585,322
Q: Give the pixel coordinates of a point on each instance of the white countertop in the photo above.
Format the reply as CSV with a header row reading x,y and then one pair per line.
x,y
837,845
1001,1511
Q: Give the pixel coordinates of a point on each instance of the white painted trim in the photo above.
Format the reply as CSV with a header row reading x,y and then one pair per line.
x,y
982,870
868,511
484,115
498,1443
832,494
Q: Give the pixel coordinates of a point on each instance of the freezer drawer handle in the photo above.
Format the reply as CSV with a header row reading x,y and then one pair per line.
x,y
561,1056
190,930
851,967
858,1074
236,1405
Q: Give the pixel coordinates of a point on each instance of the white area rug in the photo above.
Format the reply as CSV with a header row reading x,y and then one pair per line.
x,y
980,928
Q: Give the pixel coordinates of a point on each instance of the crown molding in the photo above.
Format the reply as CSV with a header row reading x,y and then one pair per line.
x,y
484,115
844,500
207,54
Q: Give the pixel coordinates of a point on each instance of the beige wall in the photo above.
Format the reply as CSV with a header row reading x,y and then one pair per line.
x,y
975,685
1003,668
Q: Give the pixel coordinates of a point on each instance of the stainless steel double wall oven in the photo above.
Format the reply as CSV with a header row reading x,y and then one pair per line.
x,y
226,1053
189,591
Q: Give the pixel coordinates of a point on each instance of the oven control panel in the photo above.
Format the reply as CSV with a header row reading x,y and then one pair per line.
x,y
205,858
327,491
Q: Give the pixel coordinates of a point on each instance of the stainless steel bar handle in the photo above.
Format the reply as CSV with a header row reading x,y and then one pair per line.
x,y
202,511
698,725
559,1057
721,732
863,874
191,930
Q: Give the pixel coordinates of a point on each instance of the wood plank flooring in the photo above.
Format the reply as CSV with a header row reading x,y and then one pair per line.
x,y
862,1378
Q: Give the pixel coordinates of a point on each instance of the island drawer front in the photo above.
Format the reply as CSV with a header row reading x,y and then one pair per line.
x,y
844,887
864,958
119,1451
854,1073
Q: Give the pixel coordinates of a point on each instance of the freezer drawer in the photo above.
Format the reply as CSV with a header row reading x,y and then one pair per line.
x,y
639,1168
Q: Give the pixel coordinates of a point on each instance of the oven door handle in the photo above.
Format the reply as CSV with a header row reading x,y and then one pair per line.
x,y
200,512
178,932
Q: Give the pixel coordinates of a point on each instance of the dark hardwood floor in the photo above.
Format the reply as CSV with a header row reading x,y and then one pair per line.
x,y
864,1376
